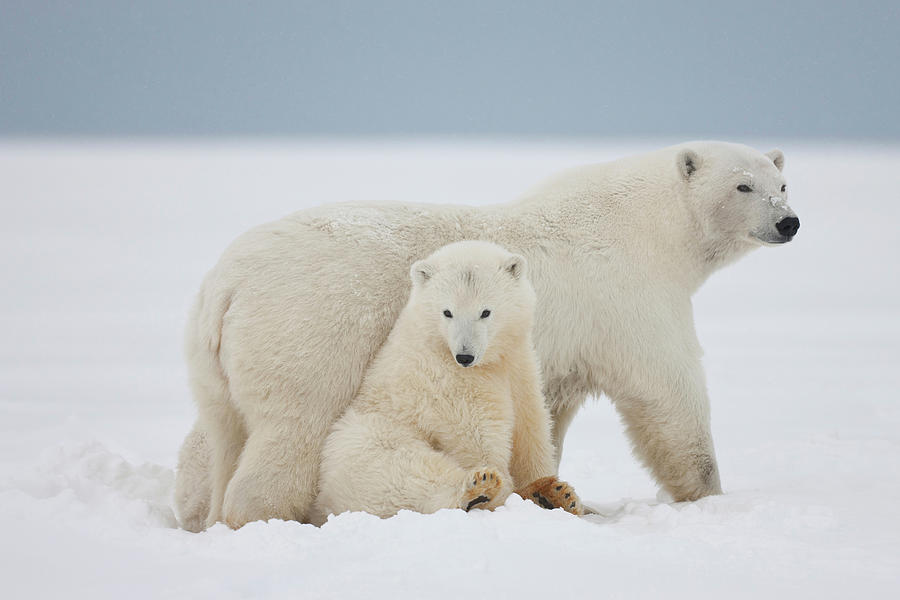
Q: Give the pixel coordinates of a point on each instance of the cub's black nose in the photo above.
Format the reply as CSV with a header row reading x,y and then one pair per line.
x,y
788,226
464,359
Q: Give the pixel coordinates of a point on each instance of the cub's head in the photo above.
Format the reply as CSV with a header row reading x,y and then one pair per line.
x,y
474,297
738,195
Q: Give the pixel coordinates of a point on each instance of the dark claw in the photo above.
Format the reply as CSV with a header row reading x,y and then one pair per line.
x,y
559,487
567,495
478,500
572,505
484,476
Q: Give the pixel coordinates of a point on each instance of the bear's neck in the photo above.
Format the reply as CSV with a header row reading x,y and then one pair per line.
x,y
720,252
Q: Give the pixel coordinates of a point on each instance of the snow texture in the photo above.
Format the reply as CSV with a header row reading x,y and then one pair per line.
x,y
104,244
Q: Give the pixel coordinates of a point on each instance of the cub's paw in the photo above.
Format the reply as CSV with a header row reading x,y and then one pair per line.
x,y
482,490
550,493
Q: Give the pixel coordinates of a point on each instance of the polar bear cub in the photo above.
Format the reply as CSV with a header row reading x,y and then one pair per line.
x,y
450,413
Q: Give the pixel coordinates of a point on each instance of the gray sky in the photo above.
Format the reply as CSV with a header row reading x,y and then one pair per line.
x,y
784,68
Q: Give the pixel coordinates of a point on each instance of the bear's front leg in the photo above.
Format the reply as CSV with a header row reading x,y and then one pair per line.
x,y
667,419
533,454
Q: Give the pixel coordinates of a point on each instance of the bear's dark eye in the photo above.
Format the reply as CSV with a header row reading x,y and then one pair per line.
x,y
448,314
485,314
744,188
784,188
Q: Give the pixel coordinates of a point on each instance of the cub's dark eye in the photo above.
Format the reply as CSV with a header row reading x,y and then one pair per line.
x,y
485,314
744,188
784,188
448,314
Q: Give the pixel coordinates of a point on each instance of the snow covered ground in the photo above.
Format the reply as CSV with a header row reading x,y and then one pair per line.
x,y
103,244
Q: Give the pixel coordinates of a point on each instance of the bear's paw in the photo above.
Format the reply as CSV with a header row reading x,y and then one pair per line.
x,y
482,489
550,493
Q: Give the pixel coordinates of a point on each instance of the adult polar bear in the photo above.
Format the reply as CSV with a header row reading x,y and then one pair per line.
x,y
286,322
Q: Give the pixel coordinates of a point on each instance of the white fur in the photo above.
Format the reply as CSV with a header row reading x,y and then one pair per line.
x,y
286,323
422,424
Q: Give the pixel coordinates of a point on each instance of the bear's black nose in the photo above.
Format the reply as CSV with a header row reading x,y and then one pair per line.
x,y
788,226
464,359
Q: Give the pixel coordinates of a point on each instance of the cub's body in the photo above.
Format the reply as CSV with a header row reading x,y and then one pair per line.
x,y
450,412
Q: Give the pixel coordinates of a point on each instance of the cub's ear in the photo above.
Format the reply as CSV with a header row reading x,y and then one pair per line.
x,y
420,272
688,162
777,157
515,265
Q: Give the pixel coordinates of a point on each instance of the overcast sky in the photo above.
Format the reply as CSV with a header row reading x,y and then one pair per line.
x,y
692,69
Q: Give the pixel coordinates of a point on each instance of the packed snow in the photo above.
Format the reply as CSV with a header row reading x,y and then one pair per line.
x,y
103,245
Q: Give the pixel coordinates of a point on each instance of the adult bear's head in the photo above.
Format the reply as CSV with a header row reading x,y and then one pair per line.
x,y
738,196
473,298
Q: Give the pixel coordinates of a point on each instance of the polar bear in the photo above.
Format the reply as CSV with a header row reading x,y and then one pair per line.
x,y
286,322
450,413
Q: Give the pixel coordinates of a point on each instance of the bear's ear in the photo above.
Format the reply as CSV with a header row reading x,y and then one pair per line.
x,y
420,272
688,162
515,265
777,157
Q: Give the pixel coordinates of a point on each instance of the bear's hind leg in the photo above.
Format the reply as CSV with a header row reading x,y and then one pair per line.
x,y
427,480
225,436
276,477
370,464
484,489
192,481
